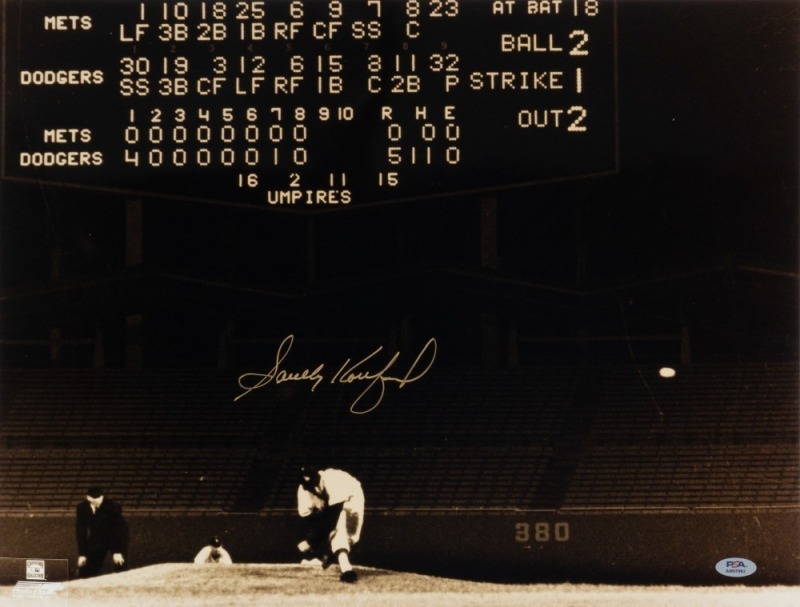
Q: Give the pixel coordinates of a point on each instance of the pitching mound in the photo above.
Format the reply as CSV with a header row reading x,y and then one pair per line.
x,y
184,585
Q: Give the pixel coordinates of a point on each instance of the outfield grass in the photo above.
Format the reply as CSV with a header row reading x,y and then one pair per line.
x,y
182,585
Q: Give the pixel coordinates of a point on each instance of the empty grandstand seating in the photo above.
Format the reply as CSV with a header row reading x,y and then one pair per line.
x,y
56,479
686,476
713,436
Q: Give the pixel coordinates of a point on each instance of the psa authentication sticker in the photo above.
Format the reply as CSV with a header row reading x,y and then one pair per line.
x,y
736,567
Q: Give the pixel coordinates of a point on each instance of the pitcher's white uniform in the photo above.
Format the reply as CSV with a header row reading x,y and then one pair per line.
x,y
336,487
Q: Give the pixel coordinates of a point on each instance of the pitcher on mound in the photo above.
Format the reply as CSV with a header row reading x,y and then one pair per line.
x,y
332,502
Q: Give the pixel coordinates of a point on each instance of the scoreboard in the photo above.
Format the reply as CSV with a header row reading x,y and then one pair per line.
x,y
307,103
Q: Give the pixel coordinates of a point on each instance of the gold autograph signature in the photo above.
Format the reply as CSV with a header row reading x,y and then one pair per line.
x,y
348,373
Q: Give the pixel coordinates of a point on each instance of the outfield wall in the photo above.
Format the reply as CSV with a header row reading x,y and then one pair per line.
x,y
527,546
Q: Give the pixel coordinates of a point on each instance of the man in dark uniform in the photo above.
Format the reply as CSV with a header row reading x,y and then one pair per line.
x,y
99,529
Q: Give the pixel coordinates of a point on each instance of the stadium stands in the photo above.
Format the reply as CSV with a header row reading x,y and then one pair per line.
x,y
55,479
712,437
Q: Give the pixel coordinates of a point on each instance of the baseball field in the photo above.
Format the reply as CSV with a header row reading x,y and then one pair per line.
x,y
288,585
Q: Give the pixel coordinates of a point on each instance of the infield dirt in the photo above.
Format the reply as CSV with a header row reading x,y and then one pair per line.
x,y
289,585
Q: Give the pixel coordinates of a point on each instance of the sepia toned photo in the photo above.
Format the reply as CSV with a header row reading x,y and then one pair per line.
x,y
399,302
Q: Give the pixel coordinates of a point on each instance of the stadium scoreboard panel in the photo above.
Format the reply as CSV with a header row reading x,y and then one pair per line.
x,y
307,103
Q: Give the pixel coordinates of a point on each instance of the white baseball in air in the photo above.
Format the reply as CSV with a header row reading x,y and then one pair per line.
x,y
666,372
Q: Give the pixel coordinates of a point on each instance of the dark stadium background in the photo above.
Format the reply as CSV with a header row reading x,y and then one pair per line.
x,y
553,307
